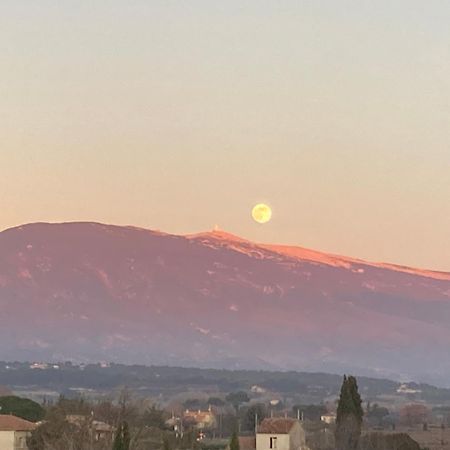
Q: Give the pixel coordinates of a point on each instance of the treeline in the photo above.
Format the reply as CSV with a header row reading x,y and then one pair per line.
x,y
135,423
163,379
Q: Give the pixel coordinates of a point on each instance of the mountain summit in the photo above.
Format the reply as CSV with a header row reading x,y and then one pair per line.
x,y
89,292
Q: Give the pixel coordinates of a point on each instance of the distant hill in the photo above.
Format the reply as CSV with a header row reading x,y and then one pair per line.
x,y
166,382
90,292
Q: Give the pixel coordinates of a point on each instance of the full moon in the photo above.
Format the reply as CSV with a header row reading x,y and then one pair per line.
x,y
261,213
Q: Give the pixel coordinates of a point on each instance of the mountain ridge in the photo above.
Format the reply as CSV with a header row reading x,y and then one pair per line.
x,y
82,290
284,249
303,253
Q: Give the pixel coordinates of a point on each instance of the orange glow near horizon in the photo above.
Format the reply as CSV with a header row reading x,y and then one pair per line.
x,y
178,115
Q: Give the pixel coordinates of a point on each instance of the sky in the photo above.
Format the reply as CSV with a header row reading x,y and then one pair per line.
x,y
181,115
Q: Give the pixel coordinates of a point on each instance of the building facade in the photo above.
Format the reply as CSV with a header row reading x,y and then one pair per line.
x,y
280,434
200,420
14,432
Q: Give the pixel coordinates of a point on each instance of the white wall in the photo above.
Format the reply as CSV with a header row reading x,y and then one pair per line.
x,y
7,440
263,441
295,440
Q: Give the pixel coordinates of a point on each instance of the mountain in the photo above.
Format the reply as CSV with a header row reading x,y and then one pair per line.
x,y
90,292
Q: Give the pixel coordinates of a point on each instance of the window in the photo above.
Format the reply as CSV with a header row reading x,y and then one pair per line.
x,y
273,442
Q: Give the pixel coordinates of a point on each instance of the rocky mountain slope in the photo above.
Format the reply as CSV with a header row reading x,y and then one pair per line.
x,y
89,292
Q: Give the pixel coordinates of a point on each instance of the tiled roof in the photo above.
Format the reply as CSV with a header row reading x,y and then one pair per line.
x,y
97,425
199,416
276,425
13,423
100,426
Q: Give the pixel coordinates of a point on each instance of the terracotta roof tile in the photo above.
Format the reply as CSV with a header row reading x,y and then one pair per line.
x,y
13,423
276,425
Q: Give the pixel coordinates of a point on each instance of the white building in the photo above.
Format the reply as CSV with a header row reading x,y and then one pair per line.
x,y
14,432
280,434
258,389
329,418
406,389
39,365
201,420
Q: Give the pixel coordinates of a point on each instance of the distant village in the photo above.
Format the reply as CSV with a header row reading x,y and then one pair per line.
x,y
199,414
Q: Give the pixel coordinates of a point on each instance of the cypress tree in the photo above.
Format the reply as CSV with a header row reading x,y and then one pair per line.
x,y
166,443
356,398
234,442
122,438
118,439
126,439
349,416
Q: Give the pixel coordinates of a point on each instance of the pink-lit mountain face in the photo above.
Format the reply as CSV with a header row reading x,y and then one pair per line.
x,y
90,292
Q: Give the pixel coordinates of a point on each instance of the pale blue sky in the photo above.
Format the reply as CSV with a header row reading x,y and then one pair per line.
x,y
179,115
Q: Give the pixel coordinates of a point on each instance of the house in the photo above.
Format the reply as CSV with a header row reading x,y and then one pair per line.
x,y
329,418
14,432
258,389
39,365
102,431
201,420
280,434
176,424
98,429
406,389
